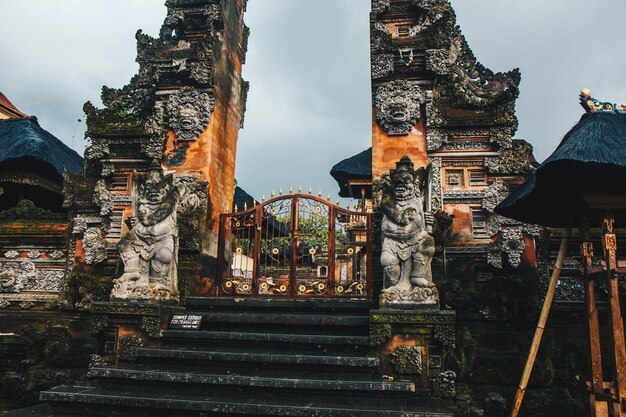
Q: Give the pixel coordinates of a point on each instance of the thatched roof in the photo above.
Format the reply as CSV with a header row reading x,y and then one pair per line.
x,y
25,138
590,162
358,166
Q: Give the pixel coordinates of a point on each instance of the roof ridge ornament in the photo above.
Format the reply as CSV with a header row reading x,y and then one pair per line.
x,y
591,104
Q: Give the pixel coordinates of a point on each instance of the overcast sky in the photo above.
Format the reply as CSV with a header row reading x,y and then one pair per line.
x,y
308,64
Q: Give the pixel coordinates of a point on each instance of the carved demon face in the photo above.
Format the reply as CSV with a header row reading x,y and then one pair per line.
x,y
155,188
398,106
188,117
403,186
397,111
189,113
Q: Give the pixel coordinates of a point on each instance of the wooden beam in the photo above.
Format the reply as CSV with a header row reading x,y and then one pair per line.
x,y
543,318
598,405
609,242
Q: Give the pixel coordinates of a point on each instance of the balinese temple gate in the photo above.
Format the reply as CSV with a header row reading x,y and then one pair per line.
x,y
179,300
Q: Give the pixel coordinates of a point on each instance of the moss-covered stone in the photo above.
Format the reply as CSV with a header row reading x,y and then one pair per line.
x,y
407,360
379,334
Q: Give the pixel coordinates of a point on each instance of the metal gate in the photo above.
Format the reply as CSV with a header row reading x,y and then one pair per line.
x,y
295,246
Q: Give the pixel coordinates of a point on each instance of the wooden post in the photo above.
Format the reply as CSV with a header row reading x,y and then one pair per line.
x,y
545,311
609,243
599,407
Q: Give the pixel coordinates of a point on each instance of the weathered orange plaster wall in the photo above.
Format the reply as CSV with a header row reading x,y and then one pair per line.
x,y
212,156
387,150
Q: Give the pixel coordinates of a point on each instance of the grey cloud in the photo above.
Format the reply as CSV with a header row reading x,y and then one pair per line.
x,y
308,64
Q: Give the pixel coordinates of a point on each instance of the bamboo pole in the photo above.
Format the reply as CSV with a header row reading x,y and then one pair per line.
x,y
545,311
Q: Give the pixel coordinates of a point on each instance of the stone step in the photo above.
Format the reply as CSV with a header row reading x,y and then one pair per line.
x,y
267,357
151,402
288,318
195,377
39,410
277,303
257,337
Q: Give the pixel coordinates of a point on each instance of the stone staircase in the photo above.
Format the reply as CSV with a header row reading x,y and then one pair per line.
x,y
251,358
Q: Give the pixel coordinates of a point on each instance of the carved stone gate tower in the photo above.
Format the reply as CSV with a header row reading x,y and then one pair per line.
x,y
442,148
161,163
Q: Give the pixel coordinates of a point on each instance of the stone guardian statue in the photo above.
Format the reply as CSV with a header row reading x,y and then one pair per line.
x,y
149,250
407,242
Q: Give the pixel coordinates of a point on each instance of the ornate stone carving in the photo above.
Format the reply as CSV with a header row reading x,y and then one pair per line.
x,y
192,194
149,250
127,347
56,255
382,65
438,61
189,113
435,138
81,222
4,304
466,145
433,11
151,325
94,246
68,189
12,254
460,195
201,72
470,85
34,254
510,241
436,193
513,159
102,198
97,325
379,6
407,359
445,334
98,149
192,209
494,195
153,147
398,106
407,244
27,305
434,118
22,275
380,334
108,169
444,386
95,361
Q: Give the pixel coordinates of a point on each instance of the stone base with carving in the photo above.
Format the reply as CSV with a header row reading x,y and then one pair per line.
x,y
412,345
126,289
414,298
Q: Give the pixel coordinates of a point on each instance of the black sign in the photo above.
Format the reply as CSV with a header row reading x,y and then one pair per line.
x,y
186,322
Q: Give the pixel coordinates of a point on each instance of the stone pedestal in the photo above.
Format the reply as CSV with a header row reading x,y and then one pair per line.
x,y
413,344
